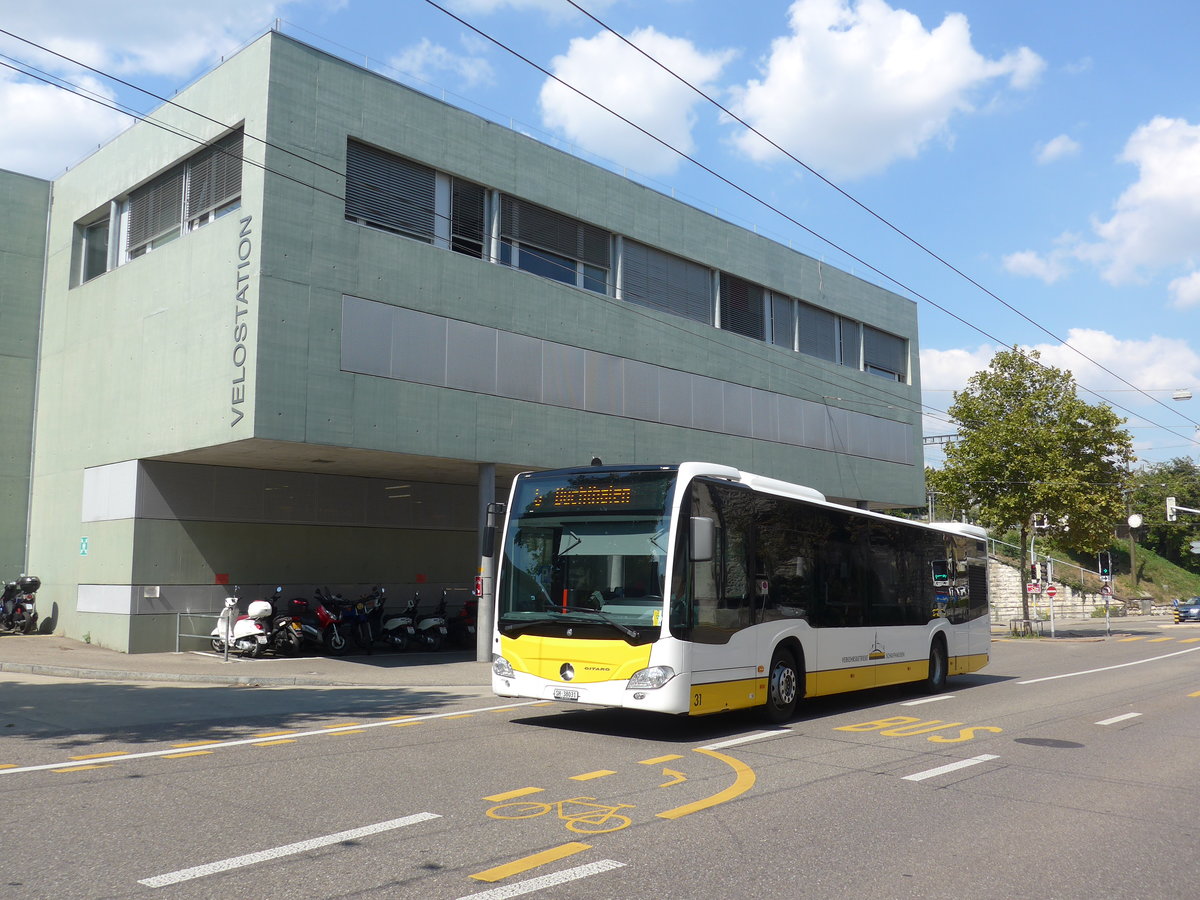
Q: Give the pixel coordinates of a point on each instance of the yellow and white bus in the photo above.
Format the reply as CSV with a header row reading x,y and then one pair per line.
x,y
696,588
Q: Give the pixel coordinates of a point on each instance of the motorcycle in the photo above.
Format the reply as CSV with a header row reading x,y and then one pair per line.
x,y
246,633
18,607
356,617
322,624
431,630
462,626
400,631
286,633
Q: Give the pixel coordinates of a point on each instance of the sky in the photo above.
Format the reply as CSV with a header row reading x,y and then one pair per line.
x,y
1028,172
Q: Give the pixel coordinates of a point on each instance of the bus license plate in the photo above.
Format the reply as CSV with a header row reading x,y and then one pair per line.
x,y
565,694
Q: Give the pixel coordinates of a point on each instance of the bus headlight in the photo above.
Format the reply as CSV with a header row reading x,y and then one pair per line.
x,y
501,667
653,677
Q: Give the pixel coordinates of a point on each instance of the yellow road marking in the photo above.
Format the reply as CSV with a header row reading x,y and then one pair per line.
x,y
588,776
522,792
344,725
82,768
1159,640
744,781
659,759
462,716
195,744
676,777
396,718
1140,637
531,862
99,755
340,733
276,743
1189,640
402,724
275,733
187,753
1195,694
8,766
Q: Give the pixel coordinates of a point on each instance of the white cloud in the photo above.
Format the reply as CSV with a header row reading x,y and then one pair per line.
x,y
1056,149
622,79
47,129
1185,291
1157,219
857,86
426,59
1047,267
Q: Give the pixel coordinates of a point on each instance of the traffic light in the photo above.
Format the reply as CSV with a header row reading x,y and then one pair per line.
x,y
1170,509
1105,560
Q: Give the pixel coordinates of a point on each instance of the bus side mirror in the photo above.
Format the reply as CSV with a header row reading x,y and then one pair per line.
x,y
703,534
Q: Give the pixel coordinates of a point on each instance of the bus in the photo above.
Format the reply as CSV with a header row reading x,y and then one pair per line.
x,y
697,588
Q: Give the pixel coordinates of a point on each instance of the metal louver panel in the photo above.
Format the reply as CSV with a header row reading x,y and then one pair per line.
x,y
783,321
818,332
884,351
156,208
528,223
215,175
388,191
741,307
665,282
466,217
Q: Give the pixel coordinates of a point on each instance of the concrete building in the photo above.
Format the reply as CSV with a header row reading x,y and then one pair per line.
x,y
304,325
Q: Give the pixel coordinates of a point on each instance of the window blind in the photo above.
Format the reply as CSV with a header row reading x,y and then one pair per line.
x,y
742,307
665,282
388,191
818,332
156,208
528,223
884,351
215,175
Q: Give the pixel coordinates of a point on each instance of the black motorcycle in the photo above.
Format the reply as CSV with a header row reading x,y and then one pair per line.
x,y
18,607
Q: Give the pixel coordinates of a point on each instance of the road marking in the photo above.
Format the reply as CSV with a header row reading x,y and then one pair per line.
x,y
588,776
744,781
82,768
745,739
1115,719
8,766
1159,640
196,744
276,743
242,742
267,734
237,862
517,866
510,795
461,716
187,753
659,759
951,767
1130,640
98,755
676,778
1136,662
1189,640
928,700
339,733
545,881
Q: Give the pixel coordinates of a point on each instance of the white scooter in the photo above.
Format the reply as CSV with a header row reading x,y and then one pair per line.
x,y
400,631
246,634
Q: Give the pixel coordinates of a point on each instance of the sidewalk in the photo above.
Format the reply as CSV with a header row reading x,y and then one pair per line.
x,y
61,657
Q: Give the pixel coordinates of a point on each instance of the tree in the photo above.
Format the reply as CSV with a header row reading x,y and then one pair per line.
x,y
1028,447
1178,478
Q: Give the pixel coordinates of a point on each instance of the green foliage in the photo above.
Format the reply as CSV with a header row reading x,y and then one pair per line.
x,y
1028,445
1178,478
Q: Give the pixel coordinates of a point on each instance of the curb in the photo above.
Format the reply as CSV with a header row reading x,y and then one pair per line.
x,y
196,677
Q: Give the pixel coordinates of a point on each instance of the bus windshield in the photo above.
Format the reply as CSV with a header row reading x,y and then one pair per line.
x,y
585,555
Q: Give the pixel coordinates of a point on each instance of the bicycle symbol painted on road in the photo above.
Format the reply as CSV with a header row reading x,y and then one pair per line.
x,y
583,815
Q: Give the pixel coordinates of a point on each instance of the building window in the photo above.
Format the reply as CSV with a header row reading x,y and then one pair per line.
x,y
667,283
885,354
389,192
214,181
783,321
849,343
156,212
94,249
742,307
818,332
552,245
467,216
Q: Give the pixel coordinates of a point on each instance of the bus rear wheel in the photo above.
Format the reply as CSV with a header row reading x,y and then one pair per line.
x,y
783,687
936,680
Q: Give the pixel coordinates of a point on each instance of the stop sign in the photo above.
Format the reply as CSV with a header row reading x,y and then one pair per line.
x,y
1051,591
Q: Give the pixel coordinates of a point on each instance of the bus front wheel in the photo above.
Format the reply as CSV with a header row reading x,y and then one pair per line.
x,y
936,680
783,687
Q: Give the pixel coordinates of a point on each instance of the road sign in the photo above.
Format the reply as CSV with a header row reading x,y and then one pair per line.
x,y
1106,590
1034,587
1051,591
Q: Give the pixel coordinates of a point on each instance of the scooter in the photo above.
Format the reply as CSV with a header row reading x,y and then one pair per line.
x,y
400,631
431,631
245,634
323,626
285,633
18,607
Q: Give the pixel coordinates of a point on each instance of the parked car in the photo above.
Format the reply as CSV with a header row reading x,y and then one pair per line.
x,y
1188,610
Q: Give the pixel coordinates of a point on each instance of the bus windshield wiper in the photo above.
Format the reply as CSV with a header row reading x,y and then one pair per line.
x,y
606,619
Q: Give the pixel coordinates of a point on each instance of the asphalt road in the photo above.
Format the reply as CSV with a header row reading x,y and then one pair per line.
x,y
1062,770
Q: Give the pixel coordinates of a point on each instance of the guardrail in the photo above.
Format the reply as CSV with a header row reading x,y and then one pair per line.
x,y
179,626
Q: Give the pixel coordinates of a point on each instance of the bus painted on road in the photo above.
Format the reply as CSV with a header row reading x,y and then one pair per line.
x,y
697,588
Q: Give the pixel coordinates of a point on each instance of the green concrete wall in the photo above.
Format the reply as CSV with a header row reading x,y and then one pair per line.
x,y
24,205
